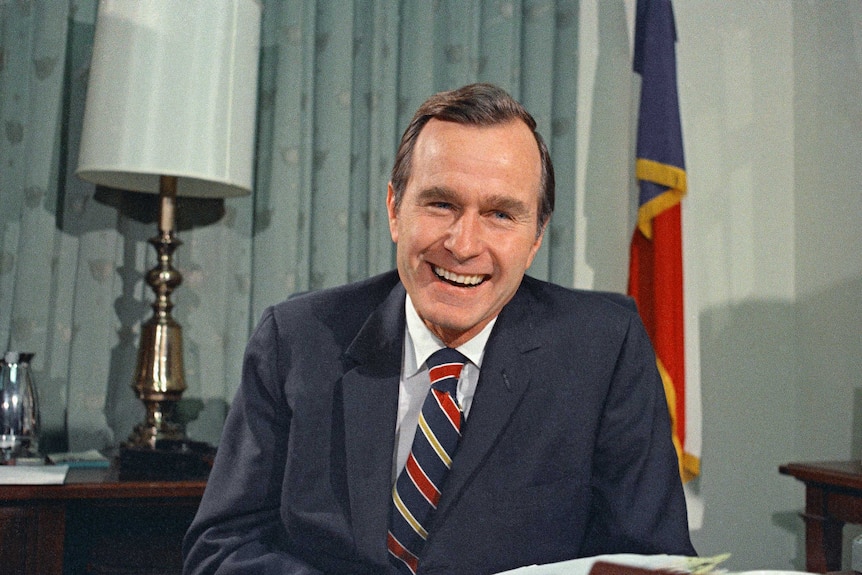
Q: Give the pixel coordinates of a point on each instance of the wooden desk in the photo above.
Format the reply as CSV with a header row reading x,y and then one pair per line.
x,y
833,497
95,523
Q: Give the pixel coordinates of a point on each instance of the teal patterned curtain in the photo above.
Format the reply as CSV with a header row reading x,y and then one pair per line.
x,y
339,82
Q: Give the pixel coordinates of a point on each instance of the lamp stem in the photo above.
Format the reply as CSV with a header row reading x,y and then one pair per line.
x,y
159,381
167,203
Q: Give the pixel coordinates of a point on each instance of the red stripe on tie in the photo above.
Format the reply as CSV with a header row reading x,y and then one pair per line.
x,y
450,408
402,553
446,370
428,490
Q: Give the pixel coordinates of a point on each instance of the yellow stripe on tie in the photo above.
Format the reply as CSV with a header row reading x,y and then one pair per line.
x,y
432,439
417,527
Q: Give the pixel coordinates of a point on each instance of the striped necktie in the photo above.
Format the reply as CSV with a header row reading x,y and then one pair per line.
x,y
419,484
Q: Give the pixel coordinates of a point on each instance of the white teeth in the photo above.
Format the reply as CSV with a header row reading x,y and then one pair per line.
x,y
458,278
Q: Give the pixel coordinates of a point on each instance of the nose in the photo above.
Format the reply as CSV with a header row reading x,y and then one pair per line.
x,y
464,237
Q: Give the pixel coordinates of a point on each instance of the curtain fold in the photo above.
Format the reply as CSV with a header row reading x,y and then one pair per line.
x,y
339,81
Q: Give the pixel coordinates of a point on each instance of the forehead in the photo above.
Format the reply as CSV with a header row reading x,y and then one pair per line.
x,y
504,157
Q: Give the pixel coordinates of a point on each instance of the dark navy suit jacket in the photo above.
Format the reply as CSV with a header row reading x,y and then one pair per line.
x,y
566,453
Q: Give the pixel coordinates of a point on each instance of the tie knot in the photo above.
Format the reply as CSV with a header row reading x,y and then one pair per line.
x,y
444,367
446,355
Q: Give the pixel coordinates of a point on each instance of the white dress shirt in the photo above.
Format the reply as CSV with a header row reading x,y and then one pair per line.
x,y
419,344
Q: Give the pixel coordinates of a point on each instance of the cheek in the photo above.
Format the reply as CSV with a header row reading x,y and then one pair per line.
x,y
418,234
517,255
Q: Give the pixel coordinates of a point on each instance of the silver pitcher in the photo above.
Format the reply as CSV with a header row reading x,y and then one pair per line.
x,y
19,408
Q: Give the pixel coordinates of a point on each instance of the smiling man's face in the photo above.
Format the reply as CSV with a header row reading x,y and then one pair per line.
x,y
466,226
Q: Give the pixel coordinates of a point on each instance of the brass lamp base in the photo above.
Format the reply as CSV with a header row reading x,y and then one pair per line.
x,y
157,426
159,382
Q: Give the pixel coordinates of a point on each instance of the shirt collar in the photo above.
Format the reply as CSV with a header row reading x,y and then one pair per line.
x,y
424,343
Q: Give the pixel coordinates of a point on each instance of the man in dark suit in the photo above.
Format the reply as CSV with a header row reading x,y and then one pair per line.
x,y
565,446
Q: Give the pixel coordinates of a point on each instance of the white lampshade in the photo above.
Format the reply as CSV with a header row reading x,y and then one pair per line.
x,y
172,92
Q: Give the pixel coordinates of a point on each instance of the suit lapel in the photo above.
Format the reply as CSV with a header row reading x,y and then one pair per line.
x,y
370,391
503,380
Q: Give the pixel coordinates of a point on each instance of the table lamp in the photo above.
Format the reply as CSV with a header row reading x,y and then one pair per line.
x,y
170,110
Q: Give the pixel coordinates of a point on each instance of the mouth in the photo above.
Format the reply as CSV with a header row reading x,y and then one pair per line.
x,y
459,280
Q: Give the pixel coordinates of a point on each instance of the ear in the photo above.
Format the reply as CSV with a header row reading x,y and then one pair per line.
x,y
392,211
536,245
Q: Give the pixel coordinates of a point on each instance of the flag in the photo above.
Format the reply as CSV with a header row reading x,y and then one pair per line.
x,y
655,265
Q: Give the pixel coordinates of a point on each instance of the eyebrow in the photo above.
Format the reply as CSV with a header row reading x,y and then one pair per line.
x,y
437,193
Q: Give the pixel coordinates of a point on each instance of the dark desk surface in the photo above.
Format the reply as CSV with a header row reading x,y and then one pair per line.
x,y
836,473
102,483
833,497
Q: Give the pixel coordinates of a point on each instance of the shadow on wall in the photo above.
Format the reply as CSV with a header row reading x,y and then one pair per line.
x,y
748,367
122,408
779,383
829,331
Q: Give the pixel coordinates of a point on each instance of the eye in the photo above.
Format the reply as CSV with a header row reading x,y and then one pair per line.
x,y
441,205
501,215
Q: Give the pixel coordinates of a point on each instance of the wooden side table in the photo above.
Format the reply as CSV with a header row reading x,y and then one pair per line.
x,y
95,523
833,497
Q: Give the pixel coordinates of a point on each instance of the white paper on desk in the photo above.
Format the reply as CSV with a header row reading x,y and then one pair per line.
x,y
33,474
678,563
583,566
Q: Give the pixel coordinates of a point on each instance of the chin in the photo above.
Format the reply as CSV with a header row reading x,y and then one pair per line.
x,y
457,325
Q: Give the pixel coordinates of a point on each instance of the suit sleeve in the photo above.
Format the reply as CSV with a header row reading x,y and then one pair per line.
x,y
238,527
638,503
